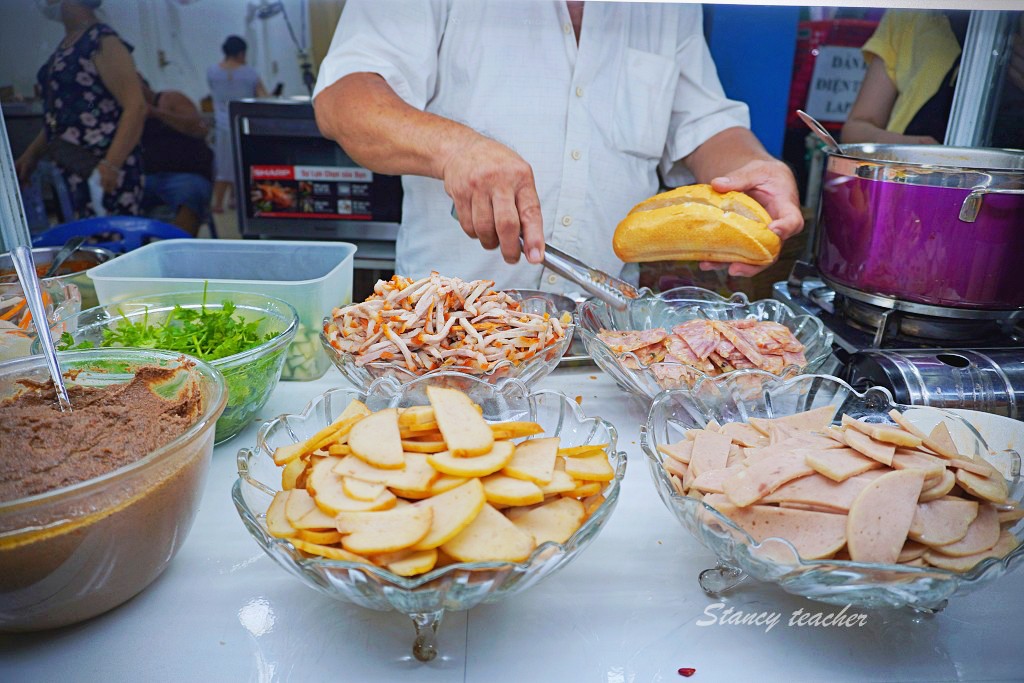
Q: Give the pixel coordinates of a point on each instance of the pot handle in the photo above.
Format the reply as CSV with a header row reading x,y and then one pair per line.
x,y
972,204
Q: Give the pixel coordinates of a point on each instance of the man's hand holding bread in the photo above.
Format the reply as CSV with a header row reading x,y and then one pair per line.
x,y
717,224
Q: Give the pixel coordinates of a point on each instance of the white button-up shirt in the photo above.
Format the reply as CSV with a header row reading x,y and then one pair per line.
x,y
594,120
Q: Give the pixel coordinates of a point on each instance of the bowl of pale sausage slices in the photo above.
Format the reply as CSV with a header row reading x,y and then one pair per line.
x,y
674,339
834,495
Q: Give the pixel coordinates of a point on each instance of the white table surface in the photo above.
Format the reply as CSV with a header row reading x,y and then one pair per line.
x,y
625,610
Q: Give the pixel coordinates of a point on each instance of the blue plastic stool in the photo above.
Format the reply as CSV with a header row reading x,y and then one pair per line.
x,y
116,233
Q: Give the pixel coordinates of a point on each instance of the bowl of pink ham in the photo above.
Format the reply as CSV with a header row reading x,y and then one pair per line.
x,y
780,533
681,336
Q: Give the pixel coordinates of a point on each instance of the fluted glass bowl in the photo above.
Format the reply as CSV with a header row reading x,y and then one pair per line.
x,y
461,586
251,375
674,307
837,582
529,372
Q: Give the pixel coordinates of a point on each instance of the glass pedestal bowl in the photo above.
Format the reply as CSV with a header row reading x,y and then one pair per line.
x,y
529,371
426,597
774,560
675,307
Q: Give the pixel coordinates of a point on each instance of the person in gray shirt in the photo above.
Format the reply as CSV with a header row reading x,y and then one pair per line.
x,y
231,79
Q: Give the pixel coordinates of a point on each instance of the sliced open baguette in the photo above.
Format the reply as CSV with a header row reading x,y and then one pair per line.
x,y
695,223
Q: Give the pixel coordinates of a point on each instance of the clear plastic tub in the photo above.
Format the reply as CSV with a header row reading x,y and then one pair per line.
x,y
314,277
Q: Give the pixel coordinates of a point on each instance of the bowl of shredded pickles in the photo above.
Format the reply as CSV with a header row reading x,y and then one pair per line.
x,y
244,335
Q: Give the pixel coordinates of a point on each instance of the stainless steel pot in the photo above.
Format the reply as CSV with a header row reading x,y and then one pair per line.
x,y
928,224
93,256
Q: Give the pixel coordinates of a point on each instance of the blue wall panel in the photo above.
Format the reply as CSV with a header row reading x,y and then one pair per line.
x,y
753,48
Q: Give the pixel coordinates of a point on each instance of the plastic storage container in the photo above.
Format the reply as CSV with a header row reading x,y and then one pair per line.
x,y
314,277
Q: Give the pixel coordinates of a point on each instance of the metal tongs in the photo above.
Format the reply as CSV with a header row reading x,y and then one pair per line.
x,y
611,290
16,237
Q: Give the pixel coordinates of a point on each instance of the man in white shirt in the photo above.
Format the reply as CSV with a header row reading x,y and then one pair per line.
x,y
511,118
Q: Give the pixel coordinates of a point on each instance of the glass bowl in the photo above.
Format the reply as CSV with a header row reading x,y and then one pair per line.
x,y
75,552
837,582
426,597
674,307
529,372
251,375
63,295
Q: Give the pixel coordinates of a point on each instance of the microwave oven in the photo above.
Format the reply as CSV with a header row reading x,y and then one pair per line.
x,y
296,184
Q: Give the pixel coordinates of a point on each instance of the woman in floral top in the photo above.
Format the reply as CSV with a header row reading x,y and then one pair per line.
x,y
93,100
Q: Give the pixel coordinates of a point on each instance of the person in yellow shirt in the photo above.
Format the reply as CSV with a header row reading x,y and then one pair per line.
x,y
907,93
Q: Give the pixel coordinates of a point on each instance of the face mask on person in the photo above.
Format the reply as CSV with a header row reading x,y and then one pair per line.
x,y
51,10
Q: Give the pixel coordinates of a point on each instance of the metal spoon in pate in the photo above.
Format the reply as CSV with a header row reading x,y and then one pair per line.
x,y
16,237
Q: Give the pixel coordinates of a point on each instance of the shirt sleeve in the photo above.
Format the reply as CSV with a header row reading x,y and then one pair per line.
x,y
397,40
700,109
884,43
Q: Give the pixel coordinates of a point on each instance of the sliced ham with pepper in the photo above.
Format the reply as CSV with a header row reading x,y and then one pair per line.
x,y
712,346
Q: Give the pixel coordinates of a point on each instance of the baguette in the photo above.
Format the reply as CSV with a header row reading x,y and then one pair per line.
x,y
695,223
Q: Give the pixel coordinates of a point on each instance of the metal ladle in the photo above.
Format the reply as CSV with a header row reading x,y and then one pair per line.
x,y
17,239
821,131
64,253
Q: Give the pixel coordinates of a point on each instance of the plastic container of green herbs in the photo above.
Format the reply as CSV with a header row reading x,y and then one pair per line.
x,y
244,335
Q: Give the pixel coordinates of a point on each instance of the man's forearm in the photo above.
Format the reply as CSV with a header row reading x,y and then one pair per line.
x,y
381,132
725,152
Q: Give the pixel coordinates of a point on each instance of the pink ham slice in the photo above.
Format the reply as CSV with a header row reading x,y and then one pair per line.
x,y
759,335
700,335
815,420
814,535
911,551
876,450
881,515
773,364
681,450
674,376
753,483
784,336
839,464
943,521
878,432
622,342
710,452
744,435
720,363
710,481
678,350
796,358
939,489
982,534
817,441
822,491
740,341
1003,546
908,460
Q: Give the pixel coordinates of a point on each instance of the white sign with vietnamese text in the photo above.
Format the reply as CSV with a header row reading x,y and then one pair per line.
x,y
838,72
333,173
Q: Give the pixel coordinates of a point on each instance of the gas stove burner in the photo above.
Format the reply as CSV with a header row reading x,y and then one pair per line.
x,y
864,321
893,320
890,325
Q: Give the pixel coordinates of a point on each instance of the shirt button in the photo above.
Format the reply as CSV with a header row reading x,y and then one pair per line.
x,y
566,221
576,154
579,91
552,279
567,28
